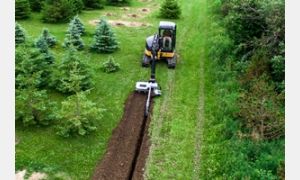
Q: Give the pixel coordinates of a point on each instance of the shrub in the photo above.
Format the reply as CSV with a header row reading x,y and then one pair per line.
x,y
20,35
104,38
117,2
55,11
32,105
45,36
110,65
170,9
93,4
78,116
22,9
73,35
36,5
70,68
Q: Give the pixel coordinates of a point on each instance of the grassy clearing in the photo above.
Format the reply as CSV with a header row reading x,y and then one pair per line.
x,y
39,148
176,113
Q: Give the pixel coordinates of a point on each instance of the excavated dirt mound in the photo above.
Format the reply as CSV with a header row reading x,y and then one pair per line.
x,y
128,147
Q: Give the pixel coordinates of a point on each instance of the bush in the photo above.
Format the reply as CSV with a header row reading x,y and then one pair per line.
x,y
47,37
70,72
93,4
118,2
78,116
55,11
20,35
104,38
110,65
32,105
170,9
36,5
22,9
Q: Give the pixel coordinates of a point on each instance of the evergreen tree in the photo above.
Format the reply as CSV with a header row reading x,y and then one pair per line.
x,y
32,105
118,2
22,9
93,4
78,116
62,78
36,5
55,11
77,22
30,61
110,65
73,36
104,38
20,35
46,36
170,9
78,5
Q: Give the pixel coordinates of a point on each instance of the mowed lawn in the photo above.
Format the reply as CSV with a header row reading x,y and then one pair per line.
x,y
175,114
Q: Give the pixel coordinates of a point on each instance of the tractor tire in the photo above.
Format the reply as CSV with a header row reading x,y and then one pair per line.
x,y
145,61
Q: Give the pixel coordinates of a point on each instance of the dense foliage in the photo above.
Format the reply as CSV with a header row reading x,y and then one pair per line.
x,y
170,9
93,4
71,65
118,2
47,37
104,38
110,65
36,5
77,23
22,9
55,11
20,35
78,116
73,36
245,104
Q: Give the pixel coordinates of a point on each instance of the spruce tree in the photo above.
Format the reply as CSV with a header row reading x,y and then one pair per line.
x,y
55,11
170,9
62,78
77,22
93,4
36,5
46,36
20,35
32,105
73,36
78,5
104,38
22,9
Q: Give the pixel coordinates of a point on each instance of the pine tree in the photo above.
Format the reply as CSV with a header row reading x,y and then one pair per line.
x,y
30,61
78,5
20,36
93,4
55,11
62,78
170,9
22,9
73,36
46,36
110,65
78,116
104,38
36,5
77,22
32,105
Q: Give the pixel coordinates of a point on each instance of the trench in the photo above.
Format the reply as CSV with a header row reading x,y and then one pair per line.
x,y
128,146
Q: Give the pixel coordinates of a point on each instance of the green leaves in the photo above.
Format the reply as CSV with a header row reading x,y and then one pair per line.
x,y
170,9
22,9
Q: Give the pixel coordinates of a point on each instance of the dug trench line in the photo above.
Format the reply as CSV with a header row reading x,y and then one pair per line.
x,y
129,145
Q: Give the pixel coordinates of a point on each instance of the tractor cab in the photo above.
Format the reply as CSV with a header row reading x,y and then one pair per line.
x,y
167,36
166,42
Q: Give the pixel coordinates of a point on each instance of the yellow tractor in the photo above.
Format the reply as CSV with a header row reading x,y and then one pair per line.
x,y
166,45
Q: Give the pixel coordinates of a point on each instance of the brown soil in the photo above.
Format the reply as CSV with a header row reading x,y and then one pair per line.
x,y
120,23
128,147
133,15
